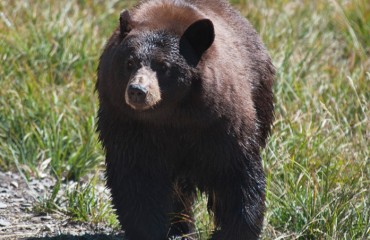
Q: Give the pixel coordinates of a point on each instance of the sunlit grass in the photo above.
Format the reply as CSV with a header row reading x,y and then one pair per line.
x,y
317,160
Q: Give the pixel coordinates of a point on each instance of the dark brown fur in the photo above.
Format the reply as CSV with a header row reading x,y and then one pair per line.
x,y
207,136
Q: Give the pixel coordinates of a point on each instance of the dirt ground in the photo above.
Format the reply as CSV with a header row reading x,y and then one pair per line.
x,y
17,221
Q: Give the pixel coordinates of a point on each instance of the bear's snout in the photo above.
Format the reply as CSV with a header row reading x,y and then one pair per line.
x,y
143,90
137,93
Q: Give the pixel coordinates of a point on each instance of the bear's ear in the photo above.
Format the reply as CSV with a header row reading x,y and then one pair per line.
x,y
125,23
200,36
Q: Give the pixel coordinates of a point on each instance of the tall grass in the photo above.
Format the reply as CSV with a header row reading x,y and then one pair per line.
x,y
317,161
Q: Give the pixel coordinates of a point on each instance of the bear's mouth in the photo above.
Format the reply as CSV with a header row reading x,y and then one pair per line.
x,y
139,106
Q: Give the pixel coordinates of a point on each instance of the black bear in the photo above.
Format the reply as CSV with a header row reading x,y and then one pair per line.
x,y
186,103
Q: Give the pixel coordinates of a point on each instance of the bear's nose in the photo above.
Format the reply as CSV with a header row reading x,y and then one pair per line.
x,y
136,93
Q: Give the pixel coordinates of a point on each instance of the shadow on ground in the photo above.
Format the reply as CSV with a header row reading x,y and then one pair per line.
x,y
83,237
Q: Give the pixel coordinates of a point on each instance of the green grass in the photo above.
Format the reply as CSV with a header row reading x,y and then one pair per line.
x,y
317,160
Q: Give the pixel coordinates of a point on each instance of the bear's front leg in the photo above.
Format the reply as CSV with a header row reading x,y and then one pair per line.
x,y
182,221
238,206
143,203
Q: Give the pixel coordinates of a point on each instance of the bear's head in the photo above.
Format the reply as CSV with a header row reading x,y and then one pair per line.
x,y
144,70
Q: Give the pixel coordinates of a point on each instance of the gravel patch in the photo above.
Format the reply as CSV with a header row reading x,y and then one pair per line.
x,y
17,221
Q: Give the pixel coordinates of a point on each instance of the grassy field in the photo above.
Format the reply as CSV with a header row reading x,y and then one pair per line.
x,y
317,160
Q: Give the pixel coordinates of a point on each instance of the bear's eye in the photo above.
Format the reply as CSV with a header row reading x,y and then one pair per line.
x,y
163,67
130,64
